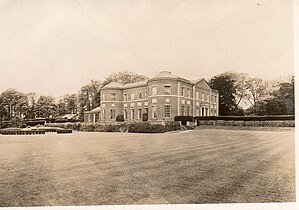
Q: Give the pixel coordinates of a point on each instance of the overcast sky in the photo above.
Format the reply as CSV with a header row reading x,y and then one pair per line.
x,y
54,47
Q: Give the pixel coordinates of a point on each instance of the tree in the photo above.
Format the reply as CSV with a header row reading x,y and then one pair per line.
x,y
89,97
283,100
68,104
124,77
45,107
240,85
226,88
31,106
13,104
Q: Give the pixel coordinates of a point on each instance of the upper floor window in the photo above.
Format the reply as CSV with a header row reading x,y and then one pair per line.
x,y
113,95
139,95
188,93
125,97
103,97
145,94
202,95
197,95
132,96
183,91
167,89
154,90
208,97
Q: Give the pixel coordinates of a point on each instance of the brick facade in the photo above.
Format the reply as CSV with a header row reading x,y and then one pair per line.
x,y
162,97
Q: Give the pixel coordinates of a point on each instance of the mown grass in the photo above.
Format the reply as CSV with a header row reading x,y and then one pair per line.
x,y
201,166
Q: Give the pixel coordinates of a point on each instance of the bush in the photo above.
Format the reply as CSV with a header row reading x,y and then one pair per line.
x,y
98,127
87,127
172,126
120,118
17,122
68,125
145,127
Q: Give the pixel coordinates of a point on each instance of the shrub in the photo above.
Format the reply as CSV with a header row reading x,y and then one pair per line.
x,y
88,127
172,126
145,127
120,118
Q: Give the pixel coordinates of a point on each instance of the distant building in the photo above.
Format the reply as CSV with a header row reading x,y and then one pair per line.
x,y
162,98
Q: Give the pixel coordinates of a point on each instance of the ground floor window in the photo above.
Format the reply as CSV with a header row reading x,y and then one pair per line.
x,y
182,110
103,114
188,111
112,113
154,111
207,112
197,111
132,114
146,110
202,111
125,114
167,111
139,114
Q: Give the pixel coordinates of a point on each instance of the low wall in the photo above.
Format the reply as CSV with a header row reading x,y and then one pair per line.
x,y
276,123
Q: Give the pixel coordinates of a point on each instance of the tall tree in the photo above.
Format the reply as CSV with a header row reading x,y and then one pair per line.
x,y
226,88
13,103
45,107
68,104
31,105
283,100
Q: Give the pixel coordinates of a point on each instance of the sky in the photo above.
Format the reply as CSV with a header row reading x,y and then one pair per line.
x,y
53,47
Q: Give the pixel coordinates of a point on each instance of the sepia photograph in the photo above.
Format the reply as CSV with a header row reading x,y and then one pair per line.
x,y
154,104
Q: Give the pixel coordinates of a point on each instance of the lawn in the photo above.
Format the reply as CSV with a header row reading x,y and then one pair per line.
x,y
201,166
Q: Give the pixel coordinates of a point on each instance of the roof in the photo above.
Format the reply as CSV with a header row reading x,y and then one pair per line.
x,y
136,84
113,85
95,110
165,74
168,75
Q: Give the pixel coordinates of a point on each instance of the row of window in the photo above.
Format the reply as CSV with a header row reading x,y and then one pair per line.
x,y
167,91
139,96
203,112
167,113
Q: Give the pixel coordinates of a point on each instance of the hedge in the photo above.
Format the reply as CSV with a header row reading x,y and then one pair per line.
x,y
247,118
183,118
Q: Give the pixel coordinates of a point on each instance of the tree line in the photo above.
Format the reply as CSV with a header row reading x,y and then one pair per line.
x,y
236,90
261,97
15,105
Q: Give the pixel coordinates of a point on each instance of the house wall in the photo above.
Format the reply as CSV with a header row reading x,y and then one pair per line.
x,y
183,96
